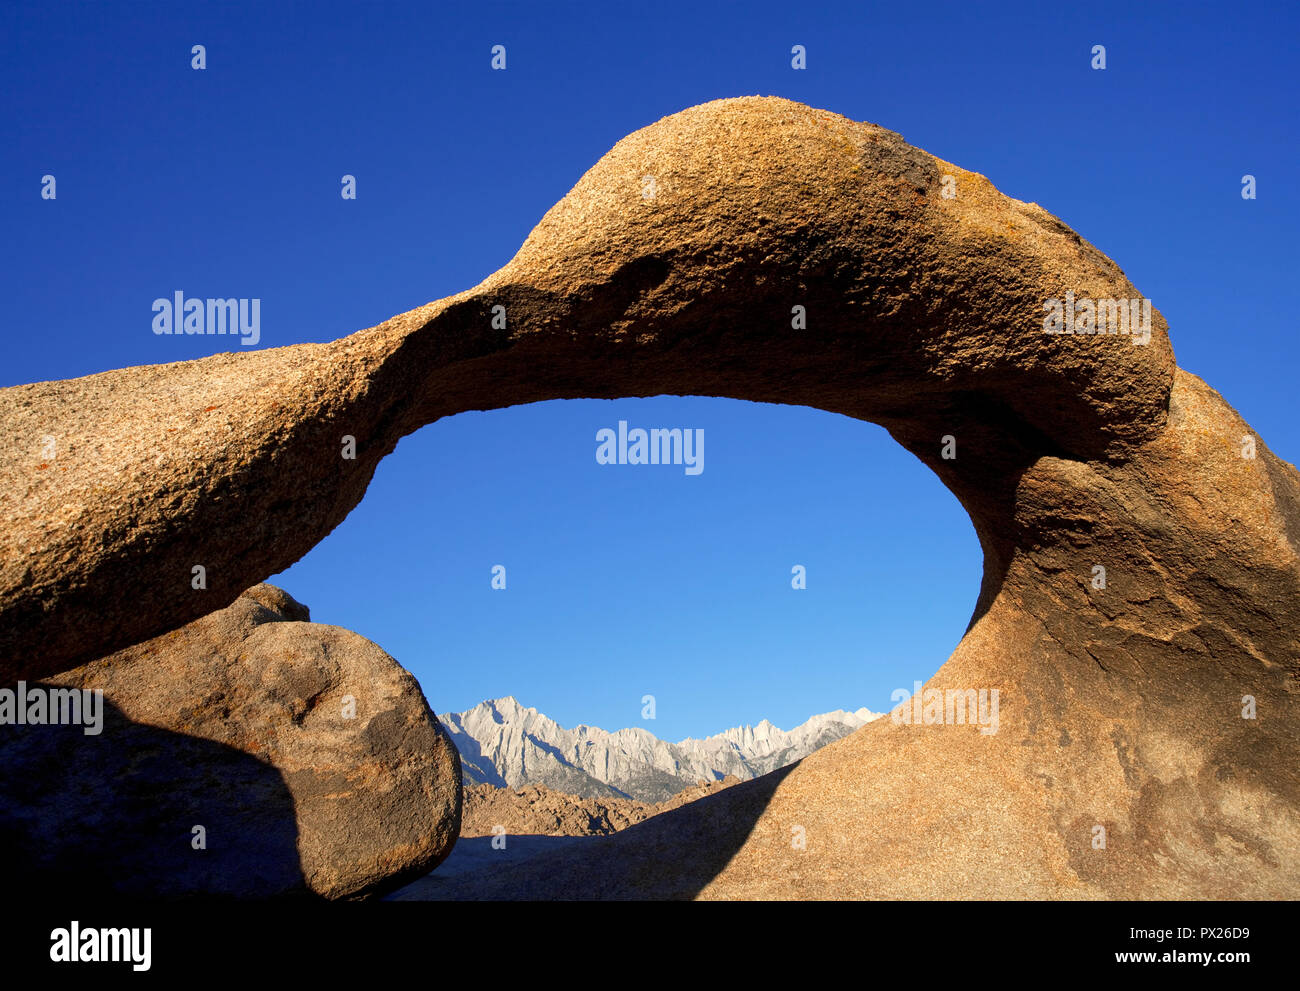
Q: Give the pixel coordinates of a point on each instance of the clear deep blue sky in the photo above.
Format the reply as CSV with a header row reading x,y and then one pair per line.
x,y
623,581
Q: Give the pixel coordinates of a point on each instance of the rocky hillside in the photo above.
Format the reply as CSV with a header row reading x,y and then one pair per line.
x,y
539,811
505,744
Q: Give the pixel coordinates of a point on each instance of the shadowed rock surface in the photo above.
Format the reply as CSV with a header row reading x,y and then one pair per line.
x,y
236,722
90,817
537,820
1120,706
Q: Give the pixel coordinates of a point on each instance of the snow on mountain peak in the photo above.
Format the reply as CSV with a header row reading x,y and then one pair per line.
x,y
504,742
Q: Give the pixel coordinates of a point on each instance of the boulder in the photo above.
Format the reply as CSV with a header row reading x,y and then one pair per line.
x,y
250,753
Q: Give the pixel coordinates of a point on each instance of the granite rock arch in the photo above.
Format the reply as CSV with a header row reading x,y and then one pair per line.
x,y
925,315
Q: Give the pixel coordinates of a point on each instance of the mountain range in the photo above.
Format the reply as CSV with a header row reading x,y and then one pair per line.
x,y
505,744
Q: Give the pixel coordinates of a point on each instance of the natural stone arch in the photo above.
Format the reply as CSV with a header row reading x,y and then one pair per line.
x,y
924,315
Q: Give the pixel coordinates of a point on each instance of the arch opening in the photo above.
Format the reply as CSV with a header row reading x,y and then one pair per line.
x,y
809,549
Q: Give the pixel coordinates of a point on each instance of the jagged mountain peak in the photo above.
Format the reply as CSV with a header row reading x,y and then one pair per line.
x,y
503,742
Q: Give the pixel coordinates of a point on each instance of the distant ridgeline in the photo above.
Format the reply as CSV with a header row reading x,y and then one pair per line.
x,y
505,744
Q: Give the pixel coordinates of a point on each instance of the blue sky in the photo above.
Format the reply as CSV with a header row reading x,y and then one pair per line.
x,y
622,581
